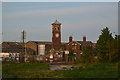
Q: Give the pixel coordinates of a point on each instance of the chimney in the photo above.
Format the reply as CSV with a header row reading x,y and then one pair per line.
x,y
70,38
84,38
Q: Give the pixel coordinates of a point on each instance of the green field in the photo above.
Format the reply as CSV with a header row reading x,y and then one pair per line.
x,y
41,70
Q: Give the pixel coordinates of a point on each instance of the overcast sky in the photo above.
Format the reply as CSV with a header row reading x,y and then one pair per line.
x,y
77,18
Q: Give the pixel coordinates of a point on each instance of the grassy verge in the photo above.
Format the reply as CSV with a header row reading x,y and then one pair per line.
x,y
41,70
97,70
23,70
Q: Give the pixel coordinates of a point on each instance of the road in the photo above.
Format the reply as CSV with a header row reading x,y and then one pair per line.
x,y
58,66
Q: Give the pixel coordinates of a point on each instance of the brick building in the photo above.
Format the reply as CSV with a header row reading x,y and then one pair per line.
x,y
55,50
16,51
43,48
76,46
16,47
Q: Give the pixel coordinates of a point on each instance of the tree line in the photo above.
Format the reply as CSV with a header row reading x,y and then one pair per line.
x,y
107,49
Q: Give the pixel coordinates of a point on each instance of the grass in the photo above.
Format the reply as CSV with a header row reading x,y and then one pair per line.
x,y
41,70
23,70
104,70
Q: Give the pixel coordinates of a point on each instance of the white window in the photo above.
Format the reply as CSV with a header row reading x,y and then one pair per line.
x,y
41,49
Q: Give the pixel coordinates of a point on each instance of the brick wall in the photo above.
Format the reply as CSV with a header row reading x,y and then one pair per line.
x,y
74,47
32,45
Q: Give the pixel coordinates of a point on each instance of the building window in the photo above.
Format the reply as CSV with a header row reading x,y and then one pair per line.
x,y
80,47
41,49
74,46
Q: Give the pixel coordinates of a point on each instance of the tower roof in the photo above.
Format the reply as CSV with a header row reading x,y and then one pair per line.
x,y
56,22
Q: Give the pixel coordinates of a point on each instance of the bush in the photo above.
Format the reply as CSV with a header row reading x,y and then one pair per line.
x,y
33,60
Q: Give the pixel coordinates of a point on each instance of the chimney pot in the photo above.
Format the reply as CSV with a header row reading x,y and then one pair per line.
x,y
70,38
84,38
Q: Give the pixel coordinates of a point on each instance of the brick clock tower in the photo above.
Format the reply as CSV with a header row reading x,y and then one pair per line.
x,y
56,35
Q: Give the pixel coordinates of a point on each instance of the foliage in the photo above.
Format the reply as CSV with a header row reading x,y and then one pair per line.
x,y
71,53
71,56
87,55
106,46
95,70
116,48
33,60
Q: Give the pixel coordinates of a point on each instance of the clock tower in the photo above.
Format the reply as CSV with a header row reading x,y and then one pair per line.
x,y
56,35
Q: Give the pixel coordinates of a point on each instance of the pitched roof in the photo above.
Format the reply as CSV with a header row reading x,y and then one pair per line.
x,y
14,47
56,22
41,42
12,44
45,42
85,42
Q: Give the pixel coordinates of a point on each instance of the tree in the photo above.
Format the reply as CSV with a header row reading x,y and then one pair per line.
x,y
104,45
87,55
116,48
71,56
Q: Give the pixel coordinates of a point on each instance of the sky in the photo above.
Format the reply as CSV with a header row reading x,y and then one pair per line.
x,y
0,22
77,18
59,0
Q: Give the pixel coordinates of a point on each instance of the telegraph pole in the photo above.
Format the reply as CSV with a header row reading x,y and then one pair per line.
x,y
23,40
23,36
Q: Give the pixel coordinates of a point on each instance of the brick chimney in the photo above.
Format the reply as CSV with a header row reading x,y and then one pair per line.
x,y
70,38
84,38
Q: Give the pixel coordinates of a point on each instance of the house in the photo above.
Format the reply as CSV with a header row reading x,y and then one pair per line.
x,y
75,48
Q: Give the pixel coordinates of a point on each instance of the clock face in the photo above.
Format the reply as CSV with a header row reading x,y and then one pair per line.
x,y
57,35
56,28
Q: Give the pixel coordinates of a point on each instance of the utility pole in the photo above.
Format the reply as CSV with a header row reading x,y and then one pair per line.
x,y
23,40
23,36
